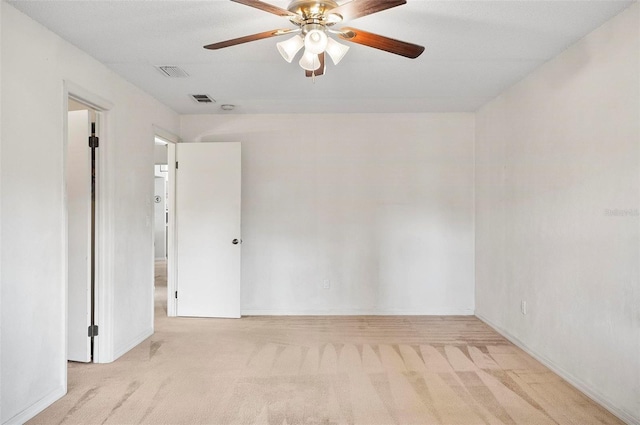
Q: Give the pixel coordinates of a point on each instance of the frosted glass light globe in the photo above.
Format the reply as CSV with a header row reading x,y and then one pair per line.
x,y
336,50
290,47
315,41
309,61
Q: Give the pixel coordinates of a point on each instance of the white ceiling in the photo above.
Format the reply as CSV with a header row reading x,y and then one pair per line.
x,y
474,50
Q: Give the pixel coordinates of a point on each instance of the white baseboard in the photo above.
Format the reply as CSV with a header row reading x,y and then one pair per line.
x,y
573,380
354,312
37,407
133,343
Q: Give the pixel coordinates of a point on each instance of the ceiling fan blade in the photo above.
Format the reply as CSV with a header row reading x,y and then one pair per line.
x,y
268,8
248,38
320,71
359,8
376,41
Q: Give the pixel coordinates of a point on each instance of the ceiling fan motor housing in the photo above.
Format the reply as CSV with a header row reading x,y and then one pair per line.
x,y
315,12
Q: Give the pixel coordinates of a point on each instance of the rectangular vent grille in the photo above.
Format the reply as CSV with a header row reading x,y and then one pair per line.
x,y
202,98
172,71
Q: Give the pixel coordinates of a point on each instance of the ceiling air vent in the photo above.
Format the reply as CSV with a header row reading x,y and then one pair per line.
x,y
172,71
202,98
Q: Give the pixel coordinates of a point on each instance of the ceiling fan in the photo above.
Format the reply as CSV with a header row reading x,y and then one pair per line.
x,y
315,20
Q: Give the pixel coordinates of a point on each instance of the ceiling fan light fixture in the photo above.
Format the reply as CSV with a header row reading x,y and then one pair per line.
x,y
309,61
315,41
289,48
336,50
314,20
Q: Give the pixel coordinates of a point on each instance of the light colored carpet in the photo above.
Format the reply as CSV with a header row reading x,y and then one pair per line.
x,y
320,370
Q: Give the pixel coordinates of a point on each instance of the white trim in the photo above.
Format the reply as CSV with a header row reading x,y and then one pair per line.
x,y
151,235
590,392
473,206
105,237
165,134
354,312
37,407
65,241
105,232
85,96
134,342
1,6
172,271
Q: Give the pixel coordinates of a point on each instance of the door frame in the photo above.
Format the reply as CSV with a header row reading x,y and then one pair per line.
x,y
172,272
104,228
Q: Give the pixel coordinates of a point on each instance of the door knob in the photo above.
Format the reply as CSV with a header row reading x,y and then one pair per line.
x,y
236,241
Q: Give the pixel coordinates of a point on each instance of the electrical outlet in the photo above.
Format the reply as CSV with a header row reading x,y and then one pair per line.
x,y
326,284
523,307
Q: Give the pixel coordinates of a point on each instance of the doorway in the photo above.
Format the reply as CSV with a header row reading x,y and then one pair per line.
x,y
160,224
81,187
164,276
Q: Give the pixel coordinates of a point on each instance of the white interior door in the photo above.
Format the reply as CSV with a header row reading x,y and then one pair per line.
x,y
208,229
79,236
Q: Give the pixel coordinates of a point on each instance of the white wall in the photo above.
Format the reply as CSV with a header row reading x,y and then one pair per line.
x,y
34,64
556,156
381,206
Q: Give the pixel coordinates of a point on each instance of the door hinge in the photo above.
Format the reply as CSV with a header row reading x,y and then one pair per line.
x,y
176,294
93,331
176,165
94,141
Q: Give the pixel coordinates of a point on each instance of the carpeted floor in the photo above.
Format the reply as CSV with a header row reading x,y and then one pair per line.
x,y
320,370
